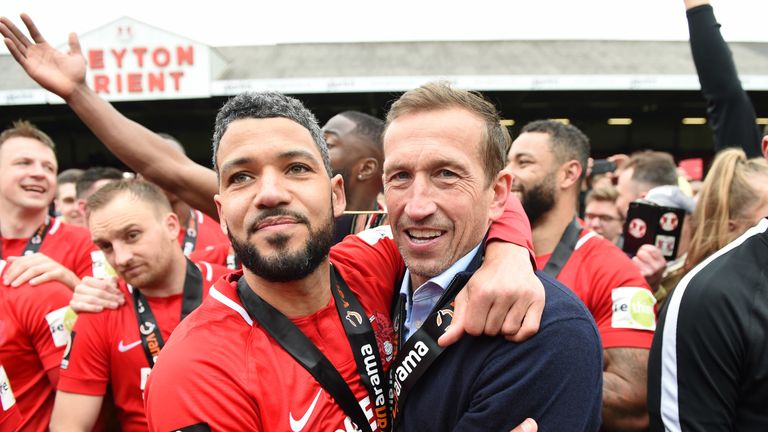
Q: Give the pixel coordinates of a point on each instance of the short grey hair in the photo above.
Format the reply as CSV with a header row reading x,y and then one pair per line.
x,y
268,105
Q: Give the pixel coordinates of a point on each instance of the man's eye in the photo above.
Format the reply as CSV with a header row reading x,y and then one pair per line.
x,y
238,178
298,169
446,173
399,176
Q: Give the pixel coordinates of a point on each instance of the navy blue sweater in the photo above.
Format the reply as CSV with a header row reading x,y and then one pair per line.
x,y
490,384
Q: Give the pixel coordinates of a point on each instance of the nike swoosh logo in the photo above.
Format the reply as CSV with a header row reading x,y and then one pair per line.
x,y
124,348
298,425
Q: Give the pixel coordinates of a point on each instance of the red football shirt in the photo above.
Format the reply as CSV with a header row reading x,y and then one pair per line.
x,y
32,341
612,288
220,254
106,349
69,245
9,413
208,234
223,369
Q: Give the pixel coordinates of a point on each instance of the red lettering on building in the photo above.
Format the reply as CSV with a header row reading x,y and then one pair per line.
x,y
176,77
118,55
134,83
96,59
101,84
155,82
185,55
161,57
139,52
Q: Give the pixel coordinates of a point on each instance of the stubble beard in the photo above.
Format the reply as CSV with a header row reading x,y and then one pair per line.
x,y
538,200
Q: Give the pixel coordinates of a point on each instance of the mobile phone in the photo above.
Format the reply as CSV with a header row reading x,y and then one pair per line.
x,y
648,223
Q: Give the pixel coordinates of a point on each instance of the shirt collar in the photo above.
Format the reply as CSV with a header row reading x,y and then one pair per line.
x,y
443,279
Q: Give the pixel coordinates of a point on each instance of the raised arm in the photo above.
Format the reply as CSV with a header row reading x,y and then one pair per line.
x,y
730,111
141,149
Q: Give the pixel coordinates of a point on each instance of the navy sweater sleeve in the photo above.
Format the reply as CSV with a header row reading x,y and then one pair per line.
x,y
556,380
730,111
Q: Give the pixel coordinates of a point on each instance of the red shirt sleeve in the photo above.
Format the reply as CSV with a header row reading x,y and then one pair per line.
x,y
618,286
43,309
87,368
513,227
374,255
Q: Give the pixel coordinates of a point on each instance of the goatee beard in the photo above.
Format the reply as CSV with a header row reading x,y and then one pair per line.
x,y
285,266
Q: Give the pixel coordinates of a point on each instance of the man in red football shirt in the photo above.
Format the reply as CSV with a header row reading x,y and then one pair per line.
x,y
547,161
38,247
134,226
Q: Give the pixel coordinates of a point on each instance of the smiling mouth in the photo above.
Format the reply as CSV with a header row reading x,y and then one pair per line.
x,y
423,235
38,189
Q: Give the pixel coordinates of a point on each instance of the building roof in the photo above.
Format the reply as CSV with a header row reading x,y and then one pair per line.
x,y
484,65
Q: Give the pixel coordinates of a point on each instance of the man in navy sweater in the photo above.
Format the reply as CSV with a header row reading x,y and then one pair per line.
x,y
444,183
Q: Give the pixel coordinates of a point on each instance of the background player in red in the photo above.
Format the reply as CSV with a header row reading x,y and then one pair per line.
x,y
32,340
547,160
38,248
133,224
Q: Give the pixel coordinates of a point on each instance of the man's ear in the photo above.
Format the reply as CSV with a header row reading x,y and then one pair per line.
x,y
171,222
571,173
500,189
367,168
80,203
764,146
338,199
222,221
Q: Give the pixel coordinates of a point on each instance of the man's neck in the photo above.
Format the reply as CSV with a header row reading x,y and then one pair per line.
x,y
173,282
362,198
18,222
298,298
182,211
550,227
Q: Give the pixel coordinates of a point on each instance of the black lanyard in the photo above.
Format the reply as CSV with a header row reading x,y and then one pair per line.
x,y
361,339
414,356
190,236
564,249
34,243
149,330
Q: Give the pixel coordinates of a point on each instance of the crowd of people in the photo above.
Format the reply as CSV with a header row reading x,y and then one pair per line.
x,y
423,272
